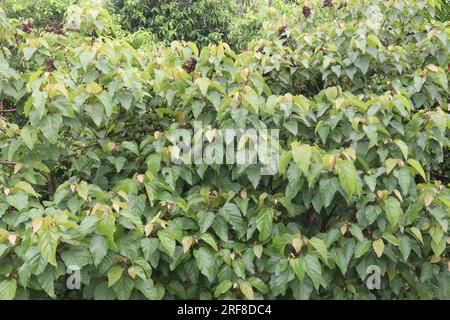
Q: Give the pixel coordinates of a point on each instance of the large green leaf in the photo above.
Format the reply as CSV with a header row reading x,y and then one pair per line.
x,y
47,244
347,175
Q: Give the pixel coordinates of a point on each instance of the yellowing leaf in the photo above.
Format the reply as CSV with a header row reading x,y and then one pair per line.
x,y
378,246
83,190
93,88
37,224
203,84
246,289
297,243
257,250
187,243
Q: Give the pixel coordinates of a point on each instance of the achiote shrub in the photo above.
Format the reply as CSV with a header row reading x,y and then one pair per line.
x,y
98,201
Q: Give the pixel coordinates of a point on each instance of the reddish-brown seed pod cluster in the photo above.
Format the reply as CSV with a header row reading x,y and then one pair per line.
x,y
342,5
282,29
190,65
327,3
56,28
306,11
49,63
27,26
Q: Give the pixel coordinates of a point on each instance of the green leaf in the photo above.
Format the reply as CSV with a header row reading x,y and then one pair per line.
x,y
50,128
347,175
167,240
391,238
254,175
436,233
209,240
405,247
205,220
8,289
327,189
98,249
246,289
147,287
107,226
29,136
331,93
223,287
302,157
46,280
313,270
404,179
132,146
362,63
299,267
438,247
206,262
356,232
86,57
47,244
18,201
197,107
402,146
418,167
83,190
25,186
252,99
361,248
342,256
28,52
417,234
259,285
258,250
393,210
154,163
320,246
264,223
77,256
203,84
114,274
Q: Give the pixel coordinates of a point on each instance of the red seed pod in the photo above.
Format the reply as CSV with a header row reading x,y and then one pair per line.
x,y
190,65
327,3
306,11
342,5
56,28
282,29
49,63
27,27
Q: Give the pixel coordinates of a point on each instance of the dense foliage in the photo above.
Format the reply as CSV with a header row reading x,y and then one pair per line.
x,y
43,13
202,21
359,91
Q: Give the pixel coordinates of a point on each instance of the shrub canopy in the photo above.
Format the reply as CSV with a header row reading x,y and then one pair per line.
x,y
359,93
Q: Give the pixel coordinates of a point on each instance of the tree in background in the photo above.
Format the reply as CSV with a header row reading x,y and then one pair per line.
x,y
44,13
177,20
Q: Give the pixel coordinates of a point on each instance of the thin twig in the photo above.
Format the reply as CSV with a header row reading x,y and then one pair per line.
x,y
84,147
7,163
8,110
3,50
